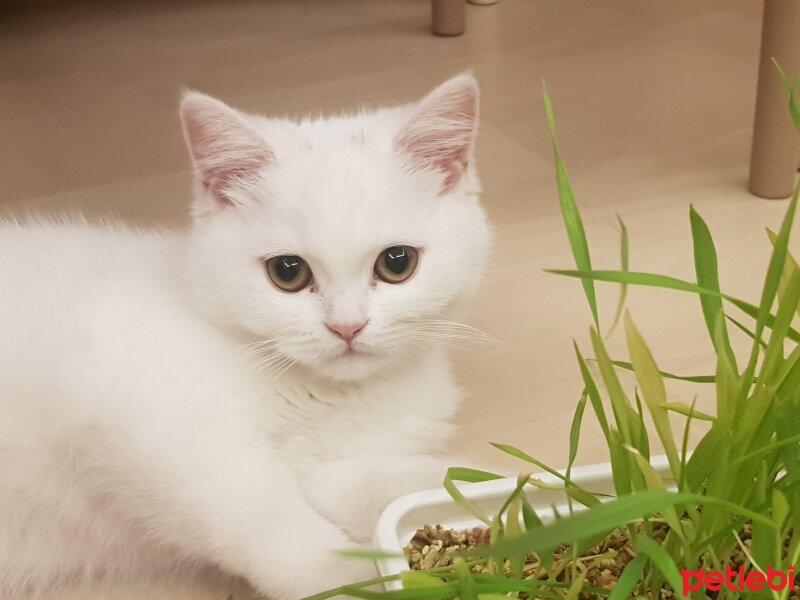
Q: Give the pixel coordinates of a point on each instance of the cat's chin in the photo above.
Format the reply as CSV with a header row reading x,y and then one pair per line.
x,y
350,366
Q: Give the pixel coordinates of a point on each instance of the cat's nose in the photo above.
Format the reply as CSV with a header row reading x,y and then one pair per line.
x,y
346,331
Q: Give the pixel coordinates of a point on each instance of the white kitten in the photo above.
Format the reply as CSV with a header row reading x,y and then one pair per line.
x,y
251,393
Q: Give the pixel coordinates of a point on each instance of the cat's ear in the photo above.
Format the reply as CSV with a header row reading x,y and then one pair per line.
x,y
225,151
441,131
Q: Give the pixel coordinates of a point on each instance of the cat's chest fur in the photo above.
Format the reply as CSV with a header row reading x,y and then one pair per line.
x,y
403,411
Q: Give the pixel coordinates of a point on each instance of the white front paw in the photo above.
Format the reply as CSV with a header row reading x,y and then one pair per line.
x,y
353,492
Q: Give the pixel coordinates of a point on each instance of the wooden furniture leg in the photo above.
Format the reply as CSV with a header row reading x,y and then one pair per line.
x,y
449,16
775,153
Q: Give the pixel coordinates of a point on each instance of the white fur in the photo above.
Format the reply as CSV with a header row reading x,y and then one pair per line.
x,y
164,406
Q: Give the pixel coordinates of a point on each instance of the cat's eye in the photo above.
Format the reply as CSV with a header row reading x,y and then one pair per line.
x,y
396,264
289,273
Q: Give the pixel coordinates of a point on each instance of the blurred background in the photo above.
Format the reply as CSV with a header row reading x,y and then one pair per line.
x,y
654,106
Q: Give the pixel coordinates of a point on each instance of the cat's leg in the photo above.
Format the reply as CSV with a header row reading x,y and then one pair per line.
x,y
353,492
149,490
231,502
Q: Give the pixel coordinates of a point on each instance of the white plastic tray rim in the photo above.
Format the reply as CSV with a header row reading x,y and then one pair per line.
x,y
401,519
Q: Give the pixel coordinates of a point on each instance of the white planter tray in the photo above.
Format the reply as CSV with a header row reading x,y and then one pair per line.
x,y
401,519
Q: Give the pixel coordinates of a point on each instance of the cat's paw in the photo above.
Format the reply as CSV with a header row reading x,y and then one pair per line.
x,y
313,573
353,493
344,492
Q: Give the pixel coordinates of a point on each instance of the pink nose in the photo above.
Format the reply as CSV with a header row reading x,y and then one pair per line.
x,y
346,331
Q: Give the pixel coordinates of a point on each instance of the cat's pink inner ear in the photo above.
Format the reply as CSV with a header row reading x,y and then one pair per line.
x,y
441,131
224,150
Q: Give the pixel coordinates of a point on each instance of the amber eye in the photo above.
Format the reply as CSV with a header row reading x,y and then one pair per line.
x,y
289,273
396,264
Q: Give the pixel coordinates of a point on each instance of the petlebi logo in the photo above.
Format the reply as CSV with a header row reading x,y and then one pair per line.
x,y
737,580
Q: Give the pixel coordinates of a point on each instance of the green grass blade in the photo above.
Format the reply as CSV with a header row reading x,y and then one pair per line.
x,y
624,415
770,289
571,215
420,592
576,492
418,579
765,543
681,481
514,495
575,589
787,424
629,578
773,355
454,474
792,440
769,319
671,283
593,392
528,458
633,278
773,366
654,482
687,411
596,520
346,589
651,476
791,88
790,267
471,475
788,379
705,264
575,433
727,383
529,515
662,560
746,330
704,458
621,471
604,518
642,439
624,267
655,395
513,529
784,80
466,584
573,492
667,375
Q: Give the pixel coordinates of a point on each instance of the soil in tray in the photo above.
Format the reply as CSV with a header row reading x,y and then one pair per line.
x,y
435,546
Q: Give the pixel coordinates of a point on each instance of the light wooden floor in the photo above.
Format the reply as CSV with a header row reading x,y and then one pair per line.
x,y
654,104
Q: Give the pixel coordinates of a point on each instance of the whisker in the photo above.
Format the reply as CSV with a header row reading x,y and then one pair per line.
x,y
271,361
285,367
259,347
454,335
451,332
259,363
256,344
263,353
451,326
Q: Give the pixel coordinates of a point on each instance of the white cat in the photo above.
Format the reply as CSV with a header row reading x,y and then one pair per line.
x,y
251,393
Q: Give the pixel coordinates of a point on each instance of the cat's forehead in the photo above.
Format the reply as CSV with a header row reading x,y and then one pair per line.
x,y
350,199
321,134
337,190
344,166
374,129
